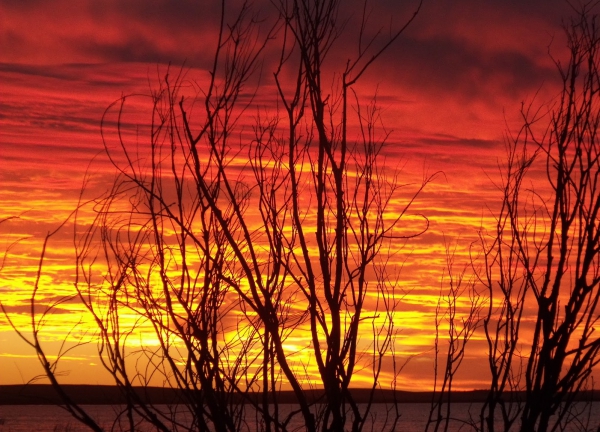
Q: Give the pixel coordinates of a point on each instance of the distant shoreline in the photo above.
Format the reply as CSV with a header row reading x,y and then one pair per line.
x,y
44,394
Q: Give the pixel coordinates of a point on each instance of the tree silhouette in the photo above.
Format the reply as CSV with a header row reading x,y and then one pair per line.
x,y
225,261
540,265
543,260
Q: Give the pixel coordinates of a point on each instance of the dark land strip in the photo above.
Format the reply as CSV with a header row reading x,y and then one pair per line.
x,y
44,394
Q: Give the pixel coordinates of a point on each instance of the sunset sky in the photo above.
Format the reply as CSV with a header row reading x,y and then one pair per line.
x,y
451,88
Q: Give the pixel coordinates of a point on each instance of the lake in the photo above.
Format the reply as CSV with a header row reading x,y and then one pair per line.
x,y
51,418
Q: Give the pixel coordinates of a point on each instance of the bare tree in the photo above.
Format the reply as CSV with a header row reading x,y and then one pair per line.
x,y
458,312
49,365
540,265
543,260
352,197
223,243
